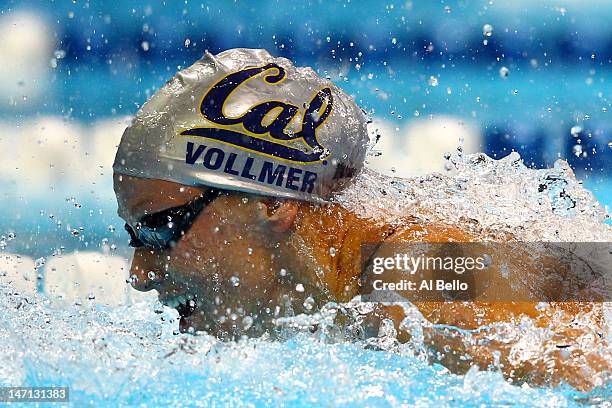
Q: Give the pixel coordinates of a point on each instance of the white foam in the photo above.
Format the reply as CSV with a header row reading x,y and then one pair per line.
x,y
492,197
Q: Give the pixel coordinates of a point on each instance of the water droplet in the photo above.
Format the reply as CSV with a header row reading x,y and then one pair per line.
x,y
91,296
487,30
247,322
309,303
610,145
145,45
59,54
577,150
394,40
332,251
504,72
433,81
111,228
235,281
151,275
488,260
39,263
447,9
250,251
187,42
576,130
299,287
283,272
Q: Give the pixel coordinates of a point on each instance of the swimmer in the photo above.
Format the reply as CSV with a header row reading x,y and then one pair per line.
x,y
226,181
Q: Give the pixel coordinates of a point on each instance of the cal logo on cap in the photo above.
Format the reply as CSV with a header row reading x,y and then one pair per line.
x,y
247,130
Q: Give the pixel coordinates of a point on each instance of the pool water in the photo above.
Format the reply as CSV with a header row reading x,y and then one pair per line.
x,y
133,356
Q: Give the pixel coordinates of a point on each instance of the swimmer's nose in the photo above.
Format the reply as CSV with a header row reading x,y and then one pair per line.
x,y
145,274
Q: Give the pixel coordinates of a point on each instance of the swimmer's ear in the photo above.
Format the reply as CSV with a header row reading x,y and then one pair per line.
x,y
277,215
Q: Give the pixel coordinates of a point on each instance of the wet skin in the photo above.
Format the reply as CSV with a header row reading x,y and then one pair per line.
x,y
248,259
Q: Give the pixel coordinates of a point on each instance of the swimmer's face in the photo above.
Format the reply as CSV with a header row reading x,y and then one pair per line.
x,y
223,274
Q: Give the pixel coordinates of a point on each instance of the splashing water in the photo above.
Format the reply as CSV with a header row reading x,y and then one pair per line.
x,y
133,354
495,198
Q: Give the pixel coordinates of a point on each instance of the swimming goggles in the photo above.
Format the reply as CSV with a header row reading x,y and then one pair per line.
x,y
163,229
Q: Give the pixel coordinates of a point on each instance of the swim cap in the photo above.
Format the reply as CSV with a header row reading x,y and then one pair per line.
x,y
244,120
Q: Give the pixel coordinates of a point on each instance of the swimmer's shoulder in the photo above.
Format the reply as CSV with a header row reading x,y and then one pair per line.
x,y
411,229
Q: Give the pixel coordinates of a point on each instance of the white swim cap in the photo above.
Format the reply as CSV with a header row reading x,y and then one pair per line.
x,y
244,120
